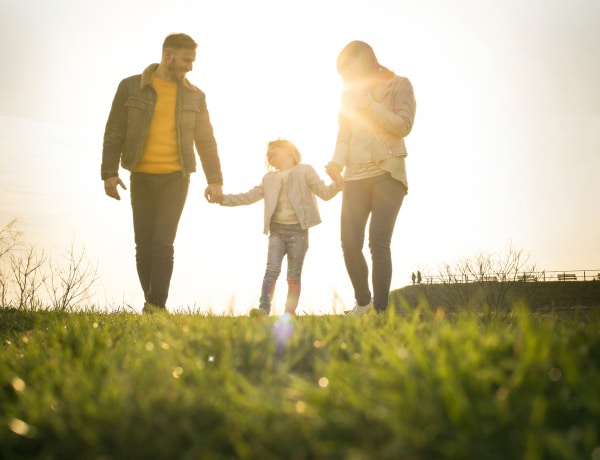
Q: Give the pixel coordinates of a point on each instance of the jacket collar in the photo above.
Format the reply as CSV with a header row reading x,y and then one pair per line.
x,y
146,79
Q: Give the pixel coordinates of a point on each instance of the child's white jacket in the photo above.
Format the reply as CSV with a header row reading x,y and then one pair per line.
x,y
303,184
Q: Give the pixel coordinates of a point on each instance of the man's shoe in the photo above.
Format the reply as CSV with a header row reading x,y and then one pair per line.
x,y
258,312
150,309
360,310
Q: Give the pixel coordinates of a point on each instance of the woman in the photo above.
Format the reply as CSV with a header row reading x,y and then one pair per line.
x,y
376,114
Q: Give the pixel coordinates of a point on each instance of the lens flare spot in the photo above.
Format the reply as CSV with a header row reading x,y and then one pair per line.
x,y
164,346
149,346
300,407
20,427
18,384
211,359
323,382
402,353
283,329
95,325
177,372
554,374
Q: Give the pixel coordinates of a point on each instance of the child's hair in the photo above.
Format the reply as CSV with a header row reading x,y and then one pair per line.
x,y
291,148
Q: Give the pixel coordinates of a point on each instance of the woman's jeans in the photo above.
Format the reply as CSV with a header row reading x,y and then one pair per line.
x,y
157,202
293,241
379,197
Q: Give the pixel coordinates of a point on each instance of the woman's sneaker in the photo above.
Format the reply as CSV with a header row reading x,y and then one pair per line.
x,y
360,310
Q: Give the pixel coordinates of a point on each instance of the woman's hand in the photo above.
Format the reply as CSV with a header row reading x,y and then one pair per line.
x,y
334,171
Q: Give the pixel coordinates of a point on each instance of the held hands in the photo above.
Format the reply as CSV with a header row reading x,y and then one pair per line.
x,y
334,171
110,187
214,193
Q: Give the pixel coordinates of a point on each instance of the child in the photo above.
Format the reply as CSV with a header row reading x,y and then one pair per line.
x,y
289,190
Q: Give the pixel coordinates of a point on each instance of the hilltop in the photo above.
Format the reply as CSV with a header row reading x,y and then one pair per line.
x,y
541,296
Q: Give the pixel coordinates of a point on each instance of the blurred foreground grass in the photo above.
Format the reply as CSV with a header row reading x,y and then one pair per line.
x,y
421,386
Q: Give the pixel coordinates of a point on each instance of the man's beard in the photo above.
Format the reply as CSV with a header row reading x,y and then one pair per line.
x,y
175,72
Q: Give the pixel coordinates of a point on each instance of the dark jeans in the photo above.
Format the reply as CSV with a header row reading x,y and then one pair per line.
x,y
157,202
293,241
380,198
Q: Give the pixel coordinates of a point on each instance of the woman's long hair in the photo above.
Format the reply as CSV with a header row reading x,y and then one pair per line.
x,y
357,49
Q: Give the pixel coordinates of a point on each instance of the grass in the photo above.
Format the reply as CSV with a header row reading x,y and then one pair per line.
x,y
420,386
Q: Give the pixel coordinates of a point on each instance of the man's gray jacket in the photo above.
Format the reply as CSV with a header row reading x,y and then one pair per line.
x,y
129,121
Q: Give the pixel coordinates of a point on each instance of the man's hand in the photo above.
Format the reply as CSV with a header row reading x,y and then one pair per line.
x,y
110,187
214,193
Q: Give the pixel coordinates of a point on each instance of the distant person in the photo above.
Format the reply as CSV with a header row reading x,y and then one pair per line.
x,y
419,279
376,114
290,209
154,122
413,277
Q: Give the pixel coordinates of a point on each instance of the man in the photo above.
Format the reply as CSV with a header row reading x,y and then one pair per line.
x,y
154,122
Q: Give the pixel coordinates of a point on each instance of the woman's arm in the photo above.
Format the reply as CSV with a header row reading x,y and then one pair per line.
x,y
399,121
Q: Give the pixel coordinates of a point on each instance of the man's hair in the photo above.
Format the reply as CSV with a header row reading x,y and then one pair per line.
x,y
177,41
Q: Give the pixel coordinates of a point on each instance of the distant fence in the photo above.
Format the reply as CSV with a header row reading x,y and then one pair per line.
x,y
533,276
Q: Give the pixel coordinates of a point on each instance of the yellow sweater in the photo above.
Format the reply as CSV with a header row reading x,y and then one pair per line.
x,y
161,154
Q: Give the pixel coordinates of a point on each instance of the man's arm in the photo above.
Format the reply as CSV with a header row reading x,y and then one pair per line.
x,y
114,134
206,145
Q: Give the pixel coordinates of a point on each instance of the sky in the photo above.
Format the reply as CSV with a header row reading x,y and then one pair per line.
x,y
505,149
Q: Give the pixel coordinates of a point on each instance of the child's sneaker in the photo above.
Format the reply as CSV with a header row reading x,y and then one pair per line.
x,y
360,310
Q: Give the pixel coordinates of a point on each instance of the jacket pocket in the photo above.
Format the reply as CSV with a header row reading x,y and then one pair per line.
x,y
136,102
393,150
187,117
137,111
